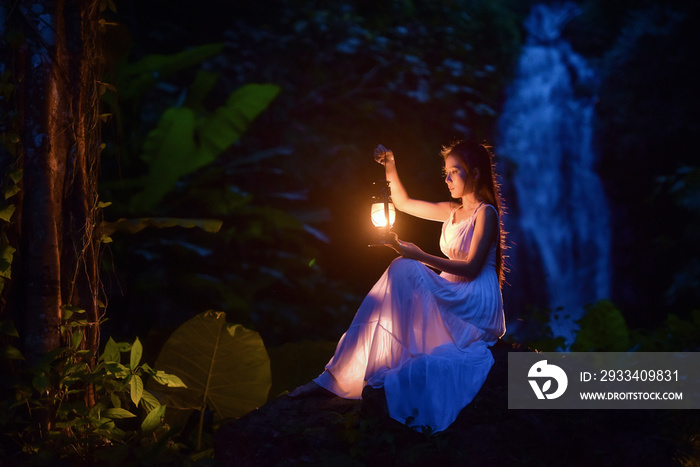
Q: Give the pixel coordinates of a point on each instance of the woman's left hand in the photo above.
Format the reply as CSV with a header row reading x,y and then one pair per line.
x,y
405,249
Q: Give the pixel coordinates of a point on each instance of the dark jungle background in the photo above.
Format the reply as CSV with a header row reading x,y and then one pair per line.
x,y
291,260
279,207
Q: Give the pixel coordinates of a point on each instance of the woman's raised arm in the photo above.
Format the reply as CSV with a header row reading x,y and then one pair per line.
x,y
404,203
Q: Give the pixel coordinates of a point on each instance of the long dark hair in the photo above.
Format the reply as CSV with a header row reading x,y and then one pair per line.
x,y
479,156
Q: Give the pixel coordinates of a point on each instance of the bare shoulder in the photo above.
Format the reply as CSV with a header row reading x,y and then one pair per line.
x,y
488,218
488,213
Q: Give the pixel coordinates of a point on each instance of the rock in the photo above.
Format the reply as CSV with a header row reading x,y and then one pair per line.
x,y
286,431
328,430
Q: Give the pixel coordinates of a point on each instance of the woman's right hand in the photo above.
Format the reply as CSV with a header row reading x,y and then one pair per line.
x,y
383,155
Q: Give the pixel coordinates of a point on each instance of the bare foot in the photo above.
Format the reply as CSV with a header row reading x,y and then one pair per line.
x,y
309,389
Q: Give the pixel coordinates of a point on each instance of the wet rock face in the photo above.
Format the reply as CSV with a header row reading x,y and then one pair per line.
x,y
328,430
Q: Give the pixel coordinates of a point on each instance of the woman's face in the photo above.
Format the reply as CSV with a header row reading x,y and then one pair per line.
x,y
457,178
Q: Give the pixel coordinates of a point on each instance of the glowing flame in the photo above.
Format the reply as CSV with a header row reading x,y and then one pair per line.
x,y
379,216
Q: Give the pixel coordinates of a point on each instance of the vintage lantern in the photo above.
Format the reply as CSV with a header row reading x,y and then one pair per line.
x,y
383,213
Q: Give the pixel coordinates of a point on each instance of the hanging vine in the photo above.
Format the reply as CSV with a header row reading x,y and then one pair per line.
x,y
50,132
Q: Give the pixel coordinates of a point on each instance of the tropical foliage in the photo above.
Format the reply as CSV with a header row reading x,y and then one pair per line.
x,y
235,173
86,408
283,193
226,369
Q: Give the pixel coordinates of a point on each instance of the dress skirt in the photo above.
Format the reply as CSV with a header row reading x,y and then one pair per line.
x,y
425,338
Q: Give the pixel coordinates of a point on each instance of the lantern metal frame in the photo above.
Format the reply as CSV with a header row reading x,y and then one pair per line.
x,y
383,197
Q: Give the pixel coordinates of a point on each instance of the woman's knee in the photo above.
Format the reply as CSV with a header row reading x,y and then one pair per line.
x,y
404,267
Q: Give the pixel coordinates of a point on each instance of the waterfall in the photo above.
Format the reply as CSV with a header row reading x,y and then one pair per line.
x,y
546,137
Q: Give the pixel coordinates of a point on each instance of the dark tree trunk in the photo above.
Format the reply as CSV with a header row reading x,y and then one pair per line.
x,y
56,70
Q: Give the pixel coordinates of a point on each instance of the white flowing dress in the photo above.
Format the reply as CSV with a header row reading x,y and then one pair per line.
x,y
424,337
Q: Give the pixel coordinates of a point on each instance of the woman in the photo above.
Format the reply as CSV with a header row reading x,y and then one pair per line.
x,y
424,337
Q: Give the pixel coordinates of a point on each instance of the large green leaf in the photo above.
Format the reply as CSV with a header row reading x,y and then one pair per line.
x,y
203,82
111,352
10,353
230,121
181,143
171,152
225,367
135,389
135,354
6,211
153,420
138,224
6,255
117,413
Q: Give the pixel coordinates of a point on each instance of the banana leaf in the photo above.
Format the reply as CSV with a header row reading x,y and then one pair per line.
x,y
138,224
225,367
182,142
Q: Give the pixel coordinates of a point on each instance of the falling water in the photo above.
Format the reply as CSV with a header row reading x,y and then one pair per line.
x,y
546,132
